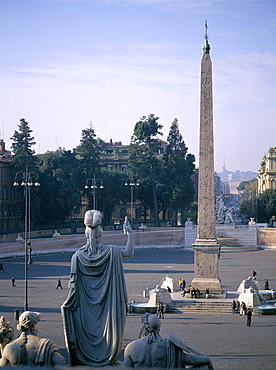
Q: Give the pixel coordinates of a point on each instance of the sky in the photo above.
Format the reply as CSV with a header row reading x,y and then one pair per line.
x,y
67,65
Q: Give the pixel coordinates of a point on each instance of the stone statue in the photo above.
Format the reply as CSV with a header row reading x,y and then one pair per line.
x,y
153,351
94,312
220,211
6,333
29,349
229,217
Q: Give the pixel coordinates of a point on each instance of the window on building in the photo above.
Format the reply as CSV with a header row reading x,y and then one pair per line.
x,y
4,193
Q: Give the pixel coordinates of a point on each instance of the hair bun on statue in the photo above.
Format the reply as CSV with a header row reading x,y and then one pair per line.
x,y
92,218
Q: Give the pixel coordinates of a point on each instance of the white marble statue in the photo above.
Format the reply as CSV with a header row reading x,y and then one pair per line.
x,y
220,211
229,217
6,333
30,350
152,351
94,312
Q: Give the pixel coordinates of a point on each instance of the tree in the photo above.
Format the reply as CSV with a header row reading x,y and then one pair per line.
x,y
51,212
260,206
249,202
67,171
178,166
144,162
89,152
25,161
267,205
22,143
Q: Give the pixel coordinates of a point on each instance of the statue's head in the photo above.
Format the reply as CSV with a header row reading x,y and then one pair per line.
x,y
151,322
28,320
92,219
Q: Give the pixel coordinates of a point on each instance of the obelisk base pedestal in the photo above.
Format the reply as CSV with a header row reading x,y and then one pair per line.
x,y
206,266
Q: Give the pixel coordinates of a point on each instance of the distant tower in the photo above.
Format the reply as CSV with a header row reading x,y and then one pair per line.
x,y
206,245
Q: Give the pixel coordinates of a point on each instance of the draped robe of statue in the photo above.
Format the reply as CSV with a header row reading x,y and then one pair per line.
x,y
94,313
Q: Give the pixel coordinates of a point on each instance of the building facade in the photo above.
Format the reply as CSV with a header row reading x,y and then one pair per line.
x,y
267,172
9,219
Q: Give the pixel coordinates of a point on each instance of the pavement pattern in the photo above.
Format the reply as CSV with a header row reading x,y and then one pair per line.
x,y
225,338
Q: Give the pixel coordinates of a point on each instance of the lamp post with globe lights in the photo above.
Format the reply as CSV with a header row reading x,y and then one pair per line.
x,y
27,179
93,181
131,182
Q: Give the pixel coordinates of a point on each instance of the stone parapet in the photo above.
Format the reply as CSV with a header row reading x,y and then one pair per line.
x,y
228,235
266,237
154,238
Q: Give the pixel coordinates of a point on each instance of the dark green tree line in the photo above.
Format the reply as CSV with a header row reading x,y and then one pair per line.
x,y
163,171
145,162
164,175
178,167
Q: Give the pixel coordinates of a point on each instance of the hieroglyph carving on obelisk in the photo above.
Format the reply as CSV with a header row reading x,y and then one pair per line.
x,y
206,185
206,246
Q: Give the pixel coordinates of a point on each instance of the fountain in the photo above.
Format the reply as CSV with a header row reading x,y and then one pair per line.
x,y
255,298
158,294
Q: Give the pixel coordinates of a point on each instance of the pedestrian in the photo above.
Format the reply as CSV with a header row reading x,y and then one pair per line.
x,y
183,284
254,273
207,292
238,306
241,309
13,281
249,316
180,284
266,284
1,267
160,310
234,306
59,284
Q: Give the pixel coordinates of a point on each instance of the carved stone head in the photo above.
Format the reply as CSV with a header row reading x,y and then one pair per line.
x,y
92,219
28,320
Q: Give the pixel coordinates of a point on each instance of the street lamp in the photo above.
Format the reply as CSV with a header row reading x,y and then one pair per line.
x,y
131,182
27,179
93,186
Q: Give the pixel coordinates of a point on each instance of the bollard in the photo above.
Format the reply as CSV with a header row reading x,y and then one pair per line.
x,y
16,315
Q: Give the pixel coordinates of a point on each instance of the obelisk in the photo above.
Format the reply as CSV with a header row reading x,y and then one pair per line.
x,y
206,246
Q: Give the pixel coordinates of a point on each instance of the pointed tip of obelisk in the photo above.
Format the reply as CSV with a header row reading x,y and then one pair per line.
x,y
206,46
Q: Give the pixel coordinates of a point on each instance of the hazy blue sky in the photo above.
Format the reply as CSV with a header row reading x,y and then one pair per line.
x,y
65,64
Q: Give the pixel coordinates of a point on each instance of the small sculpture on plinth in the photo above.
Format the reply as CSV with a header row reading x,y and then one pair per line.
x,y
6,333
30,350
152,351
252,222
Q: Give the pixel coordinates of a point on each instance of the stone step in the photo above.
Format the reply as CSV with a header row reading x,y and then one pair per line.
x,y
206,305
202,309
215,307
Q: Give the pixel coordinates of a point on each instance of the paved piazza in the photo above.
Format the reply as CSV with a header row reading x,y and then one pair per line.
x,y
224,337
